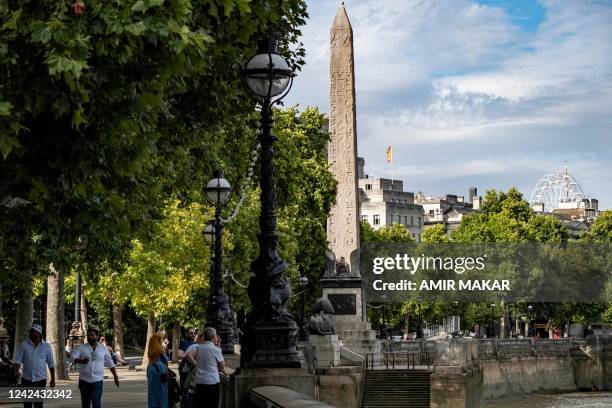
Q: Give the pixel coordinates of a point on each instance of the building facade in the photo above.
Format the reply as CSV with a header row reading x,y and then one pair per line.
x,y
383,202
448,210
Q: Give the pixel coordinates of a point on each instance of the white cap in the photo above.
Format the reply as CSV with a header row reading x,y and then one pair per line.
x,y
37,328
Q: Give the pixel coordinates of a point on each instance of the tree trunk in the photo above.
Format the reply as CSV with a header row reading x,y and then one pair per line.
x,y
118,331
55,320
176,340
25,306
83,310
150,332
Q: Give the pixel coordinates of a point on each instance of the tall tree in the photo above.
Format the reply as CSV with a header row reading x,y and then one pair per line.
x,y
55,319
107,112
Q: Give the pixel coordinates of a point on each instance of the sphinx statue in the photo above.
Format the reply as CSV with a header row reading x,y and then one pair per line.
x,y
323,318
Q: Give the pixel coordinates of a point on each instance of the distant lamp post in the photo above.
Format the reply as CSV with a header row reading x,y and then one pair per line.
x,y
530,317
303,325
383,333
419,333
271,333
218,312
493,319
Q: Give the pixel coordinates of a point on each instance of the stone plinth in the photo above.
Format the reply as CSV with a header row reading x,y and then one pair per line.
x,y
236,390
327,348
345,296
339,386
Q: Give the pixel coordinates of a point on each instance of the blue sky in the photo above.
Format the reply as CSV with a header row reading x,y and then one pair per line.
x,y
490,93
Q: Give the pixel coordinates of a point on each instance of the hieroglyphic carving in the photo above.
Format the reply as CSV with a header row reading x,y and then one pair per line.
x,y
343,222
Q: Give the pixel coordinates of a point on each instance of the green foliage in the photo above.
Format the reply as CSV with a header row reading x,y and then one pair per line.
x,y
393,233
165,272
506,217
435,234
600,230
106,116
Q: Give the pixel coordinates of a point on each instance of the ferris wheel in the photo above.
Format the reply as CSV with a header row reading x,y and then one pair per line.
x,y
557,190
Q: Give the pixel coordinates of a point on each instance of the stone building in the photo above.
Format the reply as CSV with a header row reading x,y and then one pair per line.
x,y
449,209
383,202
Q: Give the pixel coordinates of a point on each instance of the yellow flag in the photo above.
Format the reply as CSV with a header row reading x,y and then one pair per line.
x,y
389,154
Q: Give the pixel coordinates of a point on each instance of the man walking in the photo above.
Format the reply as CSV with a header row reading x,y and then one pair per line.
x,y
93,357
208,361
35,355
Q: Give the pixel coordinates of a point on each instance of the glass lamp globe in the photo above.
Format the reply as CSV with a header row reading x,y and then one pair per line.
x,y
209,232
218,190
268,75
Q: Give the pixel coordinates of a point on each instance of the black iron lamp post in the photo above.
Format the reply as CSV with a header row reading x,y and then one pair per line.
x,y
419,332
383,332
530,317
492,320
218,313
271,333
303,325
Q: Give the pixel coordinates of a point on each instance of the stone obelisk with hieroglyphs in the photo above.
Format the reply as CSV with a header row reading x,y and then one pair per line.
x,y
342,282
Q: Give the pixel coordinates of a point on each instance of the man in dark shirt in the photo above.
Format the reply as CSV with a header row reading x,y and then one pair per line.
x,y
185,343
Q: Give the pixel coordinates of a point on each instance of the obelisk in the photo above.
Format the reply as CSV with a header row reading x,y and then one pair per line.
x,y
342,283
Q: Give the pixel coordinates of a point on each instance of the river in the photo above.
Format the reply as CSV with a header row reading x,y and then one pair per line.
x,y
573,400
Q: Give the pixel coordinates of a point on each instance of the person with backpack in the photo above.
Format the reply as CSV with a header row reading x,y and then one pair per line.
x,y
157,373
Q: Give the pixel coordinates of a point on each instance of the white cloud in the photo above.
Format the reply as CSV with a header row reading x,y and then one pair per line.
x,y
465,97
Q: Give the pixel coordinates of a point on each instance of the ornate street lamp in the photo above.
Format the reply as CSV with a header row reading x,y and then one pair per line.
x,y
492,320
303,330
530,309
383,332
270,338
218,313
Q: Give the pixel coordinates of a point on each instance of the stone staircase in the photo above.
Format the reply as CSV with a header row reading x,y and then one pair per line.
x,y
395,389
358,337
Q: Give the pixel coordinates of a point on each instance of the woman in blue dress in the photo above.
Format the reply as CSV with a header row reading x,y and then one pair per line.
x,y
157,390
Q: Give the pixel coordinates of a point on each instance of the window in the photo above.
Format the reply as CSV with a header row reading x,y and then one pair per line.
x,y
431,212
376,219
412,221
419,222
399,219
368,186
364,218
405,220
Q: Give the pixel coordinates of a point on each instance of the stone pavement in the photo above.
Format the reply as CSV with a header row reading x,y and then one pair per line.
x,y
131,393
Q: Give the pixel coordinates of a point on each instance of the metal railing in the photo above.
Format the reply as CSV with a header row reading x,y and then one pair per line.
x,y
495,349
399,360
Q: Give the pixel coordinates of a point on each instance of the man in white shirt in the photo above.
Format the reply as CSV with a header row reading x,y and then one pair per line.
x,y
35,355
93,357
208,361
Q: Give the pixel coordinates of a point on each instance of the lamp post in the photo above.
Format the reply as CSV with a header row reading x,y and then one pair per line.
x,y
218,313
383,333
529,309
419,332
271,333
303,331
492,320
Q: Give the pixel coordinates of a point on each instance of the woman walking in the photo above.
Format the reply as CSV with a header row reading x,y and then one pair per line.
x,y
157,374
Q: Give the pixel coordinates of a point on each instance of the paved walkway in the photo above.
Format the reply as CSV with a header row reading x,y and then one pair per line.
x,y
131,393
